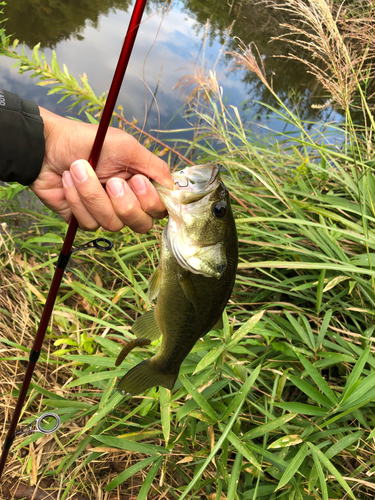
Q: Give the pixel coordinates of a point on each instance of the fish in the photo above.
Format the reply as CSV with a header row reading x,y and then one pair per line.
x,y
194,278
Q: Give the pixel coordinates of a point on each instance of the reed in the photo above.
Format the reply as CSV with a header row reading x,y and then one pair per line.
x,y
280,403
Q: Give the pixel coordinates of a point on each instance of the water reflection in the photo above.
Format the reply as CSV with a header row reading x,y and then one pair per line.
x,y
52,22
49,22
256,22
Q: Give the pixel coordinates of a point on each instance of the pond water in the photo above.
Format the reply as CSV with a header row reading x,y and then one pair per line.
x,y
87,36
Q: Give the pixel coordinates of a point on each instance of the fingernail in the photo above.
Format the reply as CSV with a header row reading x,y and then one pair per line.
x,y
139,185
115,187
79,171
67,179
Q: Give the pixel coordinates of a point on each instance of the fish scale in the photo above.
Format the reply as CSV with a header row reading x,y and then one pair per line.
x,y
194,279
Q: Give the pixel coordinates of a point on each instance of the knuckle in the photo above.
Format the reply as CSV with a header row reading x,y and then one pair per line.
x,y
127,211
113,226
90,198
88,226
153,204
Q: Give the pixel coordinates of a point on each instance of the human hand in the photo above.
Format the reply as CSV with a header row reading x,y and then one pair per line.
x,y
68,185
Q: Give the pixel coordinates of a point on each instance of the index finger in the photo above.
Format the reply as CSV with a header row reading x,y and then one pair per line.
x,y
128,155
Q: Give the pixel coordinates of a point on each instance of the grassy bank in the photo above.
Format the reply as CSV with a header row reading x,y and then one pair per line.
x,y
280,403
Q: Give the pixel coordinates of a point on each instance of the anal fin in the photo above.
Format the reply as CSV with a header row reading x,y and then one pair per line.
x,y
146,326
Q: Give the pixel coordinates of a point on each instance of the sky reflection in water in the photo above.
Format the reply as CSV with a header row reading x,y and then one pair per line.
x,y
178,41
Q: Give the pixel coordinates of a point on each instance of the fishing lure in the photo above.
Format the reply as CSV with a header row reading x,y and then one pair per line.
x,y
129,347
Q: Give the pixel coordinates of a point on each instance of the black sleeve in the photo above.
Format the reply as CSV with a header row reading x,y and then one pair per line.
x,y
21,139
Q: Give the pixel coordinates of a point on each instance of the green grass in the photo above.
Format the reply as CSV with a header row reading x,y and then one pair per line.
x,y
277,405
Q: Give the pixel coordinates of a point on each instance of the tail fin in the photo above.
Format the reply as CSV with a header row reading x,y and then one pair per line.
x,y
144,376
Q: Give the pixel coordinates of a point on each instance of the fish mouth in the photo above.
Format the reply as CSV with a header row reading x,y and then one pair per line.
x,y
191,199
197,179
191,185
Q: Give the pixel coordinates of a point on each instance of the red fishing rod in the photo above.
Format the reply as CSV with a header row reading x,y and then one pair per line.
x,y
72,229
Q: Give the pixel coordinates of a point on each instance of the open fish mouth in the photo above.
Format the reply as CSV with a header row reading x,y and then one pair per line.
x,y
197,179
191,185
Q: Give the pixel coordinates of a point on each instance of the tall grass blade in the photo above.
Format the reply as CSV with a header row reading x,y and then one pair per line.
x,y
220,441
332,469
137,467
355,375
293,466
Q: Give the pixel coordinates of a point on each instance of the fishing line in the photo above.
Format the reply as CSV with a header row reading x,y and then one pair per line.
x,y
146,86
144,65
66,251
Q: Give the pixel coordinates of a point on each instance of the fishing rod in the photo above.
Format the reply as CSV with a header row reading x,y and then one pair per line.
x,y
63,259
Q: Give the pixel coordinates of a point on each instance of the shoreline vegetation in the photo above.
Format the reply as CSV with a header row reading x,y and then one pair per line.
x,y
280,403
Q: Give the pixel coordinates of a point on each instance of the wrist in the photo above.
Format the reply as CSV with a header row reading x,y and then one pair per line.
x,y
50,121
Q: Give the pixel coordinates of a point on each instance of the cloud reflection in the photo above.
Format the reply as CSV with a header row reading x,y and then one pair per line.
x,y
96,53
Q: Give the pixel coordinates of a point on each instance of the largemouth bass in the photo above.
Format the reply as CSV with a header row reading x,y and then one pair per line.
x,y
194,279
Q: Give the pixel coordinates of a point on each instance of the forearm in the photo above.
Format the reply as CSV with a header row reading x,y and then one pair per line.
x,y
22,142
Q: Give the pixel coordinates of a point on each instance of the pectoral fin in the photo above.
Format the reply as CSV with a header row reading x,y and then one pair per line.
x,y
154,284
188,288
146,326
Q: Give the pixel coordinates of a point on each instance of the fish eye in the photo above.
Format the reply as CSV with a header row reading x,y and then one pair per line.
x,y
219,210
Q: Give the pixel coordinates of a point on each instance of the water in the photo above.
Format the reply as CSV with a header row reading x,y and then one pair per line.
x,y
87,36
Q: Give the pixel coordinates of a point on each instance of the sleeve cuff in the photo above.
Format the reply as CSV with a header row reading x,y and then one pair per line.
x,y
22,143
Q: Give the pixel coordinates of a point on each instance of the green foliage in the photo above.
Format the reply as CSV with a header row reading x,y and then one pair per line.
x,y
280,403
62,81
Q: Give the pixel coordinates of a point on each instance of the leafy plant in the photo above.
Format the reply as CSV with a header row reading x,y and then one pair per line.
x,y
278,404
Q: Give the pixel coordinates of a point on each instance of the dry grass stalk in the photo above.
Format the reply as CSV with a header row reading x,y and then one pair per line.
x,y
197,81
247,60
337,62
